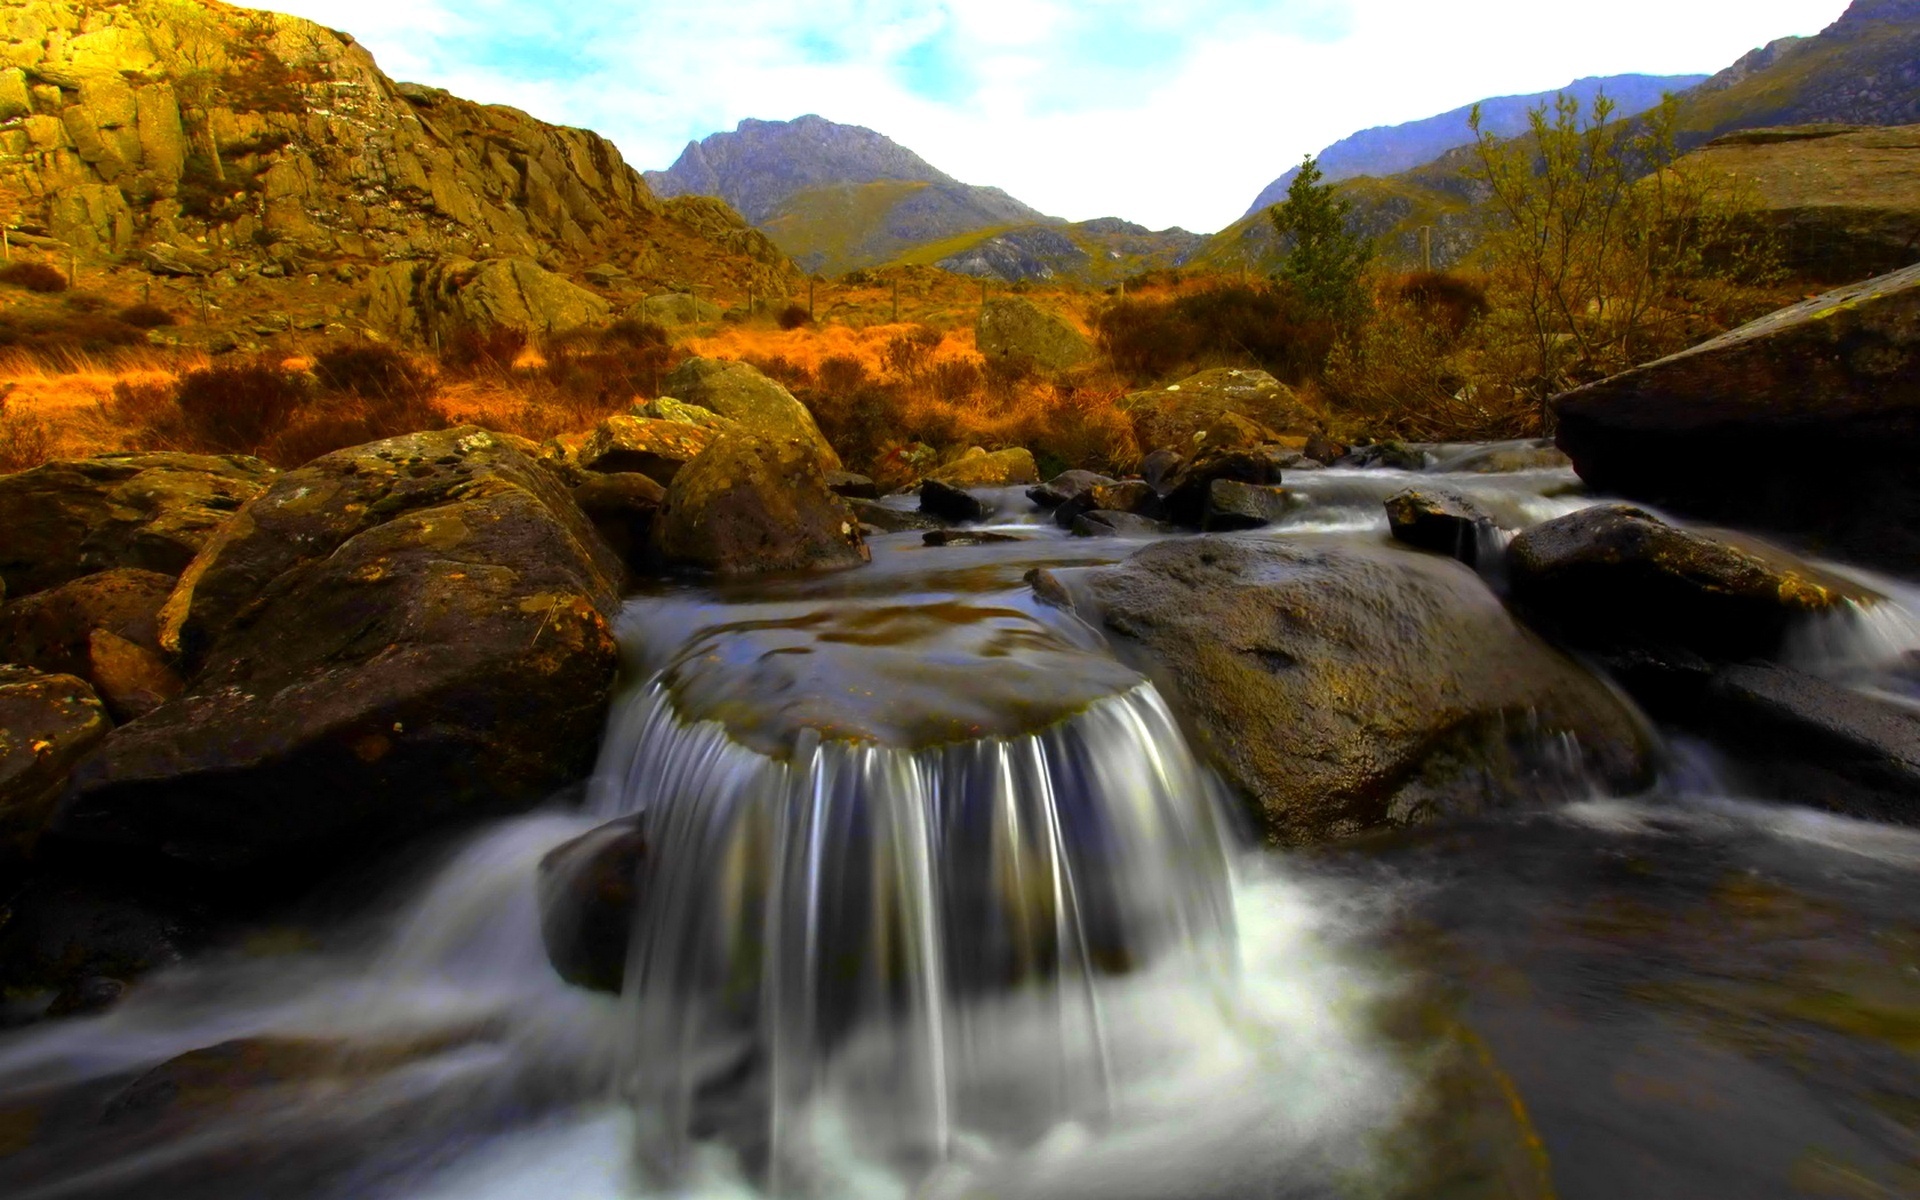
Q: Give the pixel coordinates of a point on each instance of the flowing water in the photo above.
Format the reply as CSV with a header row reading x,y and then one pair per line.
x,y
941,905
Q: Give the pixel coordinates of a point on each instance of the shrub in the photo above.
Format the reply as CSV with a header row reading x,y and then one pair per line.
x,y
474,351
597,372
1233,326
85,302
33,277
794,316
70,334
147,316
375,371
238,408
908,354
781,369
25,443
955,379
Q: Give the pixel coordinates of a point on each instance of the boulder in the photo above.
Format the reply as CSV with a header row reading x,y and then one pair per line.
x,y
622,508
1234,505
1225,408
512,293
666,408
1615,577
1068,485
589,889
1010,328
52,630
638,444
739,392
950,503
153,511
1134,497
1159,467
391,637
1345,687
1445,523
1396,456
1101,522
48,723
1806,421
850,486
1191,488
978,468
132,678
753,504
676,308
172,260
885,519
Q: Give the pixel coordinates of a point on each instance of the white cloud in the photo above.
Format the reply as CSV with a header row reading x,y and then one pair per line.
x,y
1160,112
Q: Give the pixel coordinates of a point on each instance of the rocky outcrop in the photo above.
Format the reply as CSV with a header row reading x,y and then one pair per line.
x,y
979,468
651,447
1806,421
439,300
1018,330
1342,688
753,504
740,393
151,511
48,723
394,635
1226,408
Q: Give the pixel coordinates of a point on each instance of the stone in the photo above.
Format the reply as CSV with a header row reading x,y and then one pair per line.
x,y
1343,687
1190,490
753,504
654,448
1010,328
589,890
1324,450
67,940
622,508
1133,496
48,723
394,636
154,511
739,392
1221,409
1100,522
1445,523
850,486
950,503
14,100
52,630
1614,576
966,537
1500,458
172,260
979,468
1234,505
1805,422
1396,456
676,308
1160,466
510,293
132,679
1068,485
886,519
666,408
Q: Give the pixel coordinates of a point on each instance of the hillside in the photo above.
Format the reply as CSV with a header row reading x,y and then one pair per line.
x,y
834,196
1098,252
246,148
1391,149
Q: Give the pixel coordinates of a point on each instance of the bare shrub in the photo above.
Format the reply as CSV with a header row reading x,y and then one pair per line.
x,y
33,277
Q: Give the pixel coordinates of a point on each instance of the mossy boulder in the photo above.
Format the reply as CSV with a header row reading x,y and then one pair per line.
x,y
393,636
752,504
654,448
739,392
48,723
1010,328
675,308
979,468
1221,409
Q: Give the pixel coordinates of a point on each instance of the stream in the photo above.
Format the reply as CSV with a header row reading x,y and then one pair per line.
x,y
945,907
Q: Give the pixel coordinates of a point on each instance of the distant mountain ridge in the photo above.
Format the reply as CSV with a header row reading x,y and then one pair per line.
x,y
1391,149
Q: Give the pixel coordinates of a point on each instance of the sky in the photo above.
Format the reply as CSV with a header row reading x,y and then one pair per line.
x,y
1165,112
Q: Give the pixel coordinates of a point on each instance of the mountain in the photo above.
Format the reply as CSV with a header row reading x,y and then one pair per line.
x,y
209,140
1391,149
1101,251
834,196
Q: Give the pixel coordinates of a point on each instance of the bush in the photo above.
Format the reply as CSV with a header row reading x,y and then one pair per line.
x,y
56,334
33,277
375,371
908,354
147,316
1150,341
474,351
794,316
597,372
238,408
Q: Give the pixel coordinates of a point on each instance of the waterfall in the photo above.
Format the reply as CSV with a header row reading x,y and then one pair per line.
x,y
853,924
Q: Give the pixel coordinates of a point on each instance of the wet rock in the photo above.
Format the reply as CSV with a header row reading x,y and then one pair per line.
x,y
72,942
52,630
1324,450
739,392
849,486
978,468
1502,458
1222,409
951,503
676,308
966,537
1135,497
153,511
1443,522
1234,505
589,890
885,519
1010,328
393,636
1101,522
1614,576
1342,688
1065,486
1188,492
753,504
1159,467
657,449
1826,391
1398,456
622,508
48,723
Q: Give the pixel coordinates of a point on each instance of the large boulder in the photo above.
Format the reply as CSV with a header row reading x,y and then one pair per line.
x,y
1446,523
1806,421
394,635
739,392
754,504
1190,489
1343,687
1226,408
48,723
979,468
152,511
651,447
676,308
1614,577
1019,330
450,296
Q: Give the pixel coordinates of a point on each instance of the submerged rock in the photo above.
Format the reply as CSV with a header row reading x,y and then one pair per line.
x,y
754,504
1100,522
589,891
152,511
1805,421
1221,409
1443,522
740,393
394,635
1344,688
978,468
48,723
951,503
1613,577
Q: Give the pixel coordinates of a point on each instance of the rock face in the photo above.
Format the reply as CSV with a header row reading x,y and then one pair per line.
x,y
979,468
754,504
1225,408
1806,421
740,393
1614,576
152,511
1344,688
447,297
252,137
47,724
1015,329
394,635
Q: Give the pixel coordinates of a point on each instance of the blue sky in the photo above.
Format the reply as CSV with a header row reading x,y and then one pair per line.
x,y
1161,112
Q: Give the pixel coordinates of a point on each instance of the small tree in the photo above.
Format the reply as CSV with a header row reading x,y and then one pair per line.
x,y
1325,260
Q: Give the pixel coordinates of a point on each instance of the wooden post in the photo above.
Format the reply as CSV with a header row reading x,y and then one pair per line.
x,y
73,267
6,246
1123,289
749,302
